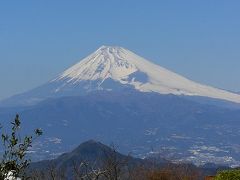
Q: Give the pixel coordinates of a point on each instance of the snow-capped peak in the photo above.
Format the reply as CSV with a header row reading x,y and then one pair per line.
x,y
125,67
106,62
113,68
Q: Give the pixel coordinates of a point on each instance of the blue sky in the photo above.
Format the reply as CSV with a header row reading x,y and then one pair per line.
x,y
197,39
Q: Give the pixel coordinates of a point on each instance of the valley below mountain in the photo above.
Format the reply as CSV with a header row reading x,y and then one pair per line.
x,y
142,124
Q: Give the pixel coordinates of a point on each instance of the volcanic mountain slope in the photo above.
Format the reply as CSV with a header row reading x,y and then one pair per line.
x,y
117,69
134,103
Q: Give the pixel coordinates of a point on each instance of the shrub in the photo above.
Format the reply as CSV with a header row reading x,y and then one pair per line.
x,y
228,175
14,158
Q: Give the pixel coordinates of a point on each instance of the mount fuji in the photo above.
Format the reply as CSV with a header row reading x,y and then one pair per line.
x,y
115,96
117,69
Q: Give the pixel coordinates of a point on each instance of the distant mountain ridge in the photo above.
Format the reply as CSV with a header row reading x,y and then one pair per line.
x,y
89,151
98,158
93,154
113,68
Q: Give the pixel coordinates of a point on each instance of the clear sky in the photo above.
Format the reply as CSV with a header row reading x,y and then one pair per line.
x,y
197,39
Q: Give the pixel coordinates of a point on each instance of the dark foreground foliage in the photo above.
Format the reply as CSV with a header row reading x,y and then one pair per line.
x,y
15,150
228,175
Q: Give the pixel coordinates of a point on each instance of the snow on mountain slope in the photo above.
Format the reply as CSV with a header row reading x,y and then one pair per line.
x,y
125,67
117,69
